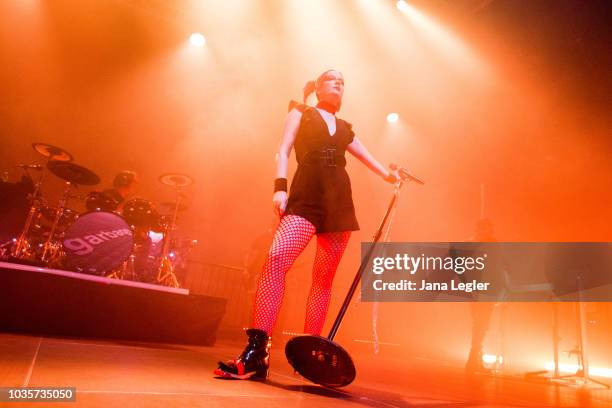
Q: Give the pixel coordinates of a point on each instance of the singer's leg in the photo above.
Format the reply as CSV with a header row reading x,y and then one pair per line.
x,y
290,239
292,236
330,247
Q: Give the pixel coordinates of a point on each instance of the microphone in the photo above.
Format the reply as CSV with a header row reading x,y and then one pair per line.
x,y
405,174
30,166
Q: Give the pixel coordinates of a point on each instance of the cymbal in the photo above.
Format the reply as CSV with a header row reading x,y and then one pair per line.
x,y
176,179
73,173
52,152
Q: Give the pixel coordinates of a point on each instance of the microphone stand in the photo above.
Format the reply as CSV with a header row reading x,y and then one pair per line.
x,y
319,359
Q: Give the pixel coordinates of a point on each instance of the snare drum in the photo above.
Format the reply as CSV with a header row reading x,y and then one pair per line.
x,y
98,242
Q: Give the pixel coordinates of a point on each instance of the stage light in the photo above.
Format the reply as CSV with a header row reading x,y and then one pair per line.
x,y
197,39
601,372
392,117
401,5
492,359
441,39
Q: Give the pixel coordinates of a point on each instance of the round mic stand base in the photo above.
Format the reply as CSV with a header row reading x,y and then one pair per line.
x,y
321,361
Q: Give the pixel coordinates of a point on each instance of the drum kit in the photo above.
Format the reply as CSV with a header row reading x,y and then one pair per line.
x,y
129,240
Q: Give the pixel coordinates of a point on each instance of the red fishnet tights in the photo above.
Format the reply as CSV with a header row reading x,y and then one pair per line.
x,y
291,237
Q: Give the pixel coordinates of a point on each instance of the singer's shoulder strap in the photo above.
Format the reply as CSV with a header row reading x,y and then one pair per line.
x,y
350,133
349,125
297,105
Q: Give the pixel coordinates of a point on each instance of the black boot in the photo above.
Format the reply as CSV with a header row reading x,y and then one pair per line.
x,y
252,363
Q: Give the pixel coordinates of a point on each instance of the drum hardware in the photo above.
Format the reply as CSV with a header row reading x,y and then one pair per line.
x,y
176,180
139,245
22,247
26,167
52,152
73,173
142,215
5,249
115,274
127,271
58,163
165,273
68,216
170,206
51,249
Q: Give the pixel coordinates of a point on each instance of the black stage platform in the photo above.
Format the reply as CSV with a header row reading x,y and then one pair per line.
x,y
54,302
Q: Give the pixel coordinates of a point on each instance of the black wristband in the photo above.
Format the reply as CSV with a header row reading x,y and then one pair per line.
x,y
280,184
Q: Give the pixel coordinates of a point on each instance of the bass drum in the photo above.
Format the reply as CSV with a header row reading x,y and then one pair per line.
x,y
97,243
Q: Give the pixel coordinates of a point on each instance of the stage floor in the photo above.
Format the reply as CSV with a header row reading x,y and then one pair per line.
x,y
117,374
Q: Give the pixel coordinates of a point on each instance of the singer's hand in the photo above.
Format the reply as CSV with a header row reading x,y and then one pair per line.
x,y
279,201
392,174
391,177
403,174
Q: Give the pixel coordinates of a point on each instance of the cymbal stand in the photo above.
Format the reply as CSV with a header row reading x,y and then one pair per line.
x,y
127,270
51,248
165,274
22,248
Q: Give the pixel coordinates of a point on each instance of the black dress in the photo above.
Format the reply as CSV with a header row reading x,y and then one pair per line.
x,y
321,189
